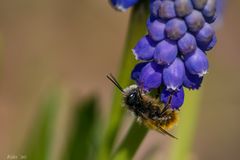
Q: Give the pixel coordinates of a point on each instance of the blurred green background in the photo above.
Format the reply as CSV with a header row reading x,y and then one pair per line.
x,y
64,48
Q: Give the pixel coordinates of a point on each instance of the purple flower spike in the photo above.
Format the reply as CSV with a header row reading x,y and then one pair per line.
x,y
156,29
187,44
195,21
199,4
165,52
209,10
192,81
175,28
173,74
123,5
183,7
166,10
137,71
206,46
144,49
154,7
177,98
197,63
151,76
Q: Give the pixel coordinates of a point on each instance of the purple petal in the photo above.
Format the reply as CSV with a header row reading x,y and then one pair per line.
x,y
183,7
144,49
175,28
177,97
197,63
156,29
173,74
123,5
192,81
187,44
165,52
195,21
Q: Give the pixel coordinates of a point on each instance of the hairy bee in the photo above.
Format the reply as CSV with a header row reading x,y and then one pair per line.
x,y
148,110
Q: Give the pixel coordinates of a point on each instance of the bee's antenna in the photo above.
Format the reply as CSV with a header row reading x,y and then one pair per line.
x,y
115,82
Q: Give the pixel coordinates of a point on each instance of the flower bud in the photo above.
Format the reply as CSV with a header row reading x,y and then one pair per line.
x,y
144,49
187,44
176,100
166,10
209,10
204,37
173,74
154,7
197,63
175,29
156,29
208,45
183,7
123,5
165,52
195,21
205,34
192,81
199,4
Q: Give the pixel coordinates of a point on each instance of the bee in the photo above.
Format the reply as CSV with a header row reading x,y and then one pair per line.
x,y
149,111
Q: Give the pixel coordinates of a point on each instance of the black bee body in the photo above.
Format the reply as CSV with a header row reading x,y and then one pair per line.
x,y
148,110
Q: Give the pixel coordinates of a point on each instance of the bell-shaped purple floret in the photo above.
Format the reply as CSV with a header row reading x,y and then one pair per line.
x,y
123,5
166,10
151,76
205,36
195,21
165,52
154,7
187,44
156,29
144,48
192,81
212,43
183,7
206,46
209,11
197,63
177,98
173,74
199,4
175,28
137,71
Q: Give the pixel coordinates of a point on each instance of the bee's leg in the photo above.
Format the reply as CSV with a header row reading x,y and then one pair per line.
x,y
167,106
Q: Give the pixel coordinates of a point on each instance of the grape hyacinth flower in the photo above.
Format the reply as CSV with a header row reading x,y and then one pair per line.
x,y
173,53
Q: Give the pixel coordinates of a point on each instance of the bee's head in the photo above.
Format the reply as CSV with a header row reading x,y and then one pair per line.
x,y
131,94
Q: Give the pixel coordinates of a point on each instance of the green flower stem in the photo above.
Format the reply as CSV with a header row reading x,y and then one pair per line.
x,y
136,30
181,148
